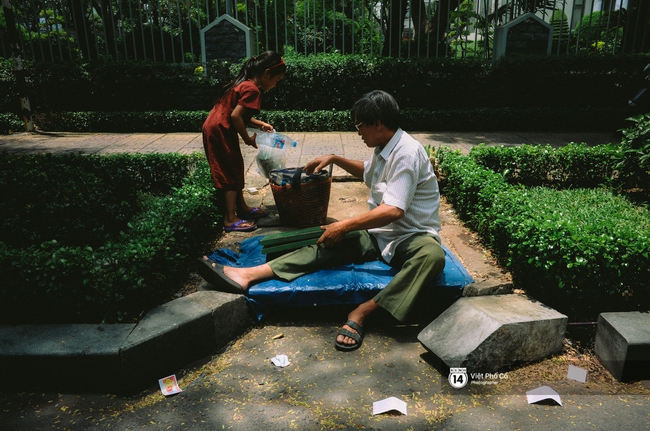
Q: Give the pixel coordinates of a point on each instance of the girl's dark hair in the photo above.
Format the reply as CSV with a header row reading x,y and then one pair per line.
x,y
257,65
377,105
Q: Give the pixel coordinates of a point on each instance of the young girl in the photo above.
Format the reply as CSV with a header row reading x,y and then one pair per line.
x,y
227,121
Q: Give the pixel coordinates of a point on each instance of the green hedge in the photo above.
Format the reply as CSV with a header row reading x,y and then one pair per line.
x,y
10,123
580,251
115,240
571,166
552,93
492,119
334,82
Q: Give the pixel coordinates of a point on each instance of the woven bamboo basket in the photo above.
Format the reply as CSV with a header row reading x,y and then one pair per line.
x,y
304,205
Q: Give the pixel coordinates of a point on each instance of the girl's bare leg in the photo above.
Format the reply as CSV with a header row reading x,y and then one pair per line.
x,y
231,197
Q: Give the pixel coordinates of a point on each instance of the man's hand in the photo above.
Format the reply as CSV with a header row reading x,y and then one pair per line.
x,y
318,164
332,234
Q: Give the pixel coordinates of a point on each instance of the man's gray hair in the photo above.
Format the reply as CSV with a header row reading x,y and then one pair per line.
x,y
377,105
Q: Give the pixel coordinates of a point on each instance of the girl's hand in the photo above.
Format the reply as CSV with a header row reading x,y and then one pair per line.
x,y
251,141
267,127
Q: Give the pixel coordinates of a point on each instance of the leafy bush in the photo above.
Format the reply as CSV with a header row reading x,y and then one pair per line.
x,y
570,166
513,119
10,123
77,199
580,251
513,93
73,276
333,81
633,161
595,32
122,122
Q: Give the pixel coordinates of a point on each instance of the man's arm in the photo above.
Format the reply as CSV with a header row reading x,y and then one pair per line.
x,y
354,167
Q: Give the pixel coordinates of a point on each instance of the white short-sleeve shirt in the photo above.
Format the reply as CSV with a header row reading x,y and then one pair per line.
x,y
400,174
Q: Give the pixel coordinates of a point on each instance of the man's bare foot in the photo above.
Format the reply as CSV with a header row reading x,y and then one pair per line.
x,y
235,274
245,277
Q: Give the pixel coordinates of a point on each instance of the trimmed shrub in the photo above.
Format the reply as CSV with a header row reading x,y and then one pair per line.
x,y
88,271
571,166
606,119
581,251
333,81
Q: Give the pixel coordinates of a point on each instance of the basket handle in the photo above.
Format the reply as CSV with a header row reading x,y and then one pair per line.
x,y
295,182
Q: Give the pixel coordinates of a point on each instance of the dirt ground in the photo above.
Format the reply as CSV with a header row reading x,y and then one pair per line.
x,y
321,388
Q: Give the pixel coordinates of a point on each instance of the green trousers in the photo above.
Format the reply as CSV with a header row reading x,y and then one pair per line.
x,y
419,259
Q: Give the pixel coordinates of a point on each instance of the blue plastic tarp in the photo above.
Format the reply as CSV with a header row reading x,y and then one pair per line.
x,y
347,284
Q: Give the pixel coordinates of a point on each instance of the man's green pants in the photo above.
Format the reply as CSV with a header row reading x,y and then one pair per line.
x,y
419,259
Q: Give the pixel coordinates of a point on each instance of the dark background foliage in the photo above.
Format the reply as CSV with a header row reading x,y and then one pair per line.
x,y
332,82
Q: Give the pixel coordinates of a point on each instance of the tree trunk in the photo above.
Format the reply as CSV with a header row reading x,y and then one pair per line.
x,y
440,22
636,33
395,25
84,36
419,17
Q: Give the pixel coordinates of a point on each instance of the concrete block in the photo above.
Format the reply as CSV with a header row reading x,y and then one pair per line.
x,y
488,287
231,314
62,356
179,332
623,344
491,333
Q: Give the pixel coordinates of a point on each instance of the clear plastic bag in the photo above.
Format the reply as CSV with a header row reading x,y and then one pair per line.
x,y
269,159
271,154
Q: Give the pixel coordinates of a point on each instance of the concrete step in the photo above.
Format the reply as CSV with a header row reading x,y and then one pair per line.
x,y
122,358
490,333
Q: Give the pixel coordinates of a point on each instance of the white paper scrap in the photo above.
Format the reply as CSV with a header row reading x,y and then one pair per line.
x,y
280,360
169,385
577,373
543,393
387,405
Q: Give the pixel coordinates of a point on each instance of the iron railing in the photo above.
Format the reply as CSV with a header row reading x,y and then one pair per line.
x,y
169,30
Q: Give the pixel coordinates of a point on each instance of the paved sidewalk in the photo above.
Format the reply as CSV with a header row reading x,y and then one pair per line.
x,y
309,144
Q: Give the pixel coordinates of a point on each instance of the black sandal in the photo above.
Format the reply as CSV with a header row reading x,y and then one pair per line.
x,y
216,277
356,336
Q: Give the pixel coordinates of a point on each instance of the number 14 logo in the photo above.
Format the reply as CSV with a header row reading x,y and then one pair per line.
x,y
458,377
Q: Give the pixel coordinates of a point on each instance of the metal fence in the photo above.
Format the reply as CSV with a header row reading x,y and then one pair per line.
x,y
169,30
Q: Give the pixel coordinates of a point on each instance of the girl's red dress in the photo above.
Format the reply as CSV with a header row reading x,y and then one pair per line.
x,y
220,139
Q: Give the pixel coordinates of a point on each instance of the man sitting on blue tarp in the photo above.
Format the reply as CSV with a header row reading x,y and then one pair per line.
x,y
401,227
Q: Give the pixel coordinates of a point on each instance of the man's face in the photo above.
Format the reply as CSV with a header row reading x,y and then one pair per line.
x,y
370,134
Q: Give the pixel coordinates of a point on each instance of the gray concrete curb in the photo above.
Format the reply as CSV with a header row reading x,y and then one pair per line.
x,y
122,358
